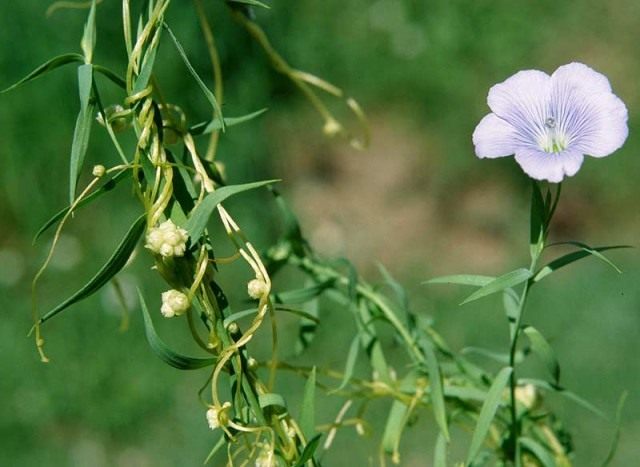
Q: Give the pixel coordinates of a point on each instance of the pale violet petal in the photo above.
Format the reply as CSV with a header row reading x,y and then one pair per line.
x,y
493,137
522,100
549,166
580,75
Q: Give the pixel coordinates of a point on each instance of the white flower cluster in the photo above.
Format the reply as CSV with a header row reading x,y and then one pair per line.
x,y
217,417
257,288
167,239
174,303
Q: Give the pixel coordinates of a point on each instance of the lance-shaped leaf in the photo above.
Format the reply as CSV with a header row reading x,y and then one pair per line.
x,y
440,452
397,420
462,279
82,130
352,357
541,347
303,295
200,215
510,279
309,451
113,265
616,436
435,386
54,63
215,124
106,187
578,255
543,454
488,412
208,94
88,42
274,402
162,350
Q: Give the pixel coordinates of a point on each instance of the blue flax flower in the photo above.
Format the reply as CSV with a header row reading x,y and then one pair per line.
x,y
551,122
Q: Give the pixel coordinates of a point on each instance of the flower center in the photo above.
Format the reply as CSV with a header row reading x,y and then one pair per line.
x,y
552,140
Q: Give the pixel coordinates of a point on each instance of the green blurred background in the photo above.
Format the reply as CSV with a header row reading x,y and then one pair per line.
x,y
417,200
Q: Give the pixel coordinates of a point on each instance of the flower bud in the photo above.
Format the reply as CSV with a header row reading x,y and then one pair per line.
x,y
331,127
174,303
98,170
167,239
266,459
257,288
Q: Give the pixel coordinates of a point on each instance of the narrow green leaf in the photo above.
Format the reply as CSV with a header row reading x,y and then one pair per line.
x,y
488,412
511,303
462,279
543,349
88,41
146,69
500,357
113,265
251,3
162,350
303,295
215,124
440,453
465,393
394,427
543,454
200,215
565,393
110,75
435,385
308,409
509,279
352,357
616,436
208,94
106,187
82,130
309,451
575,256
216,447
46,67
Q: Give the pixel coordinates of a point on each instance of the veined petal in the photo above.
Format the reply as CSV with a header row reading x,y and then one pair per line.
x,y
581,76
592,117
522,100
493,137
549,166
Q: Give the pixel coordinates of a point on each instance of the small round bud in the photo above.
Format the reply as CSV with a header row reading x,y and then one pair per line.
x,y
98,170
331,127
174,303
233,328
257,288
266,458
167,239
252,363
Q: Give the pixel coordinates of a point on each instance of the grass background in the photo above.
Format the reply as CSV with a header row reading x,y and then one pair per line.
x,y
417,200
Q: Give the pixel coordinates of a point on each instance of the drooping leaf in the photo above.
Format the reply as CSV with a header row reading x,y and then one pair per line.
x,y
208,94
543,349
308,409
110,75
200,215
510,279
113,265
162,350
215,124
569,258
251,3
309,450
46,67
462,279
106,187
273,401
488,412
